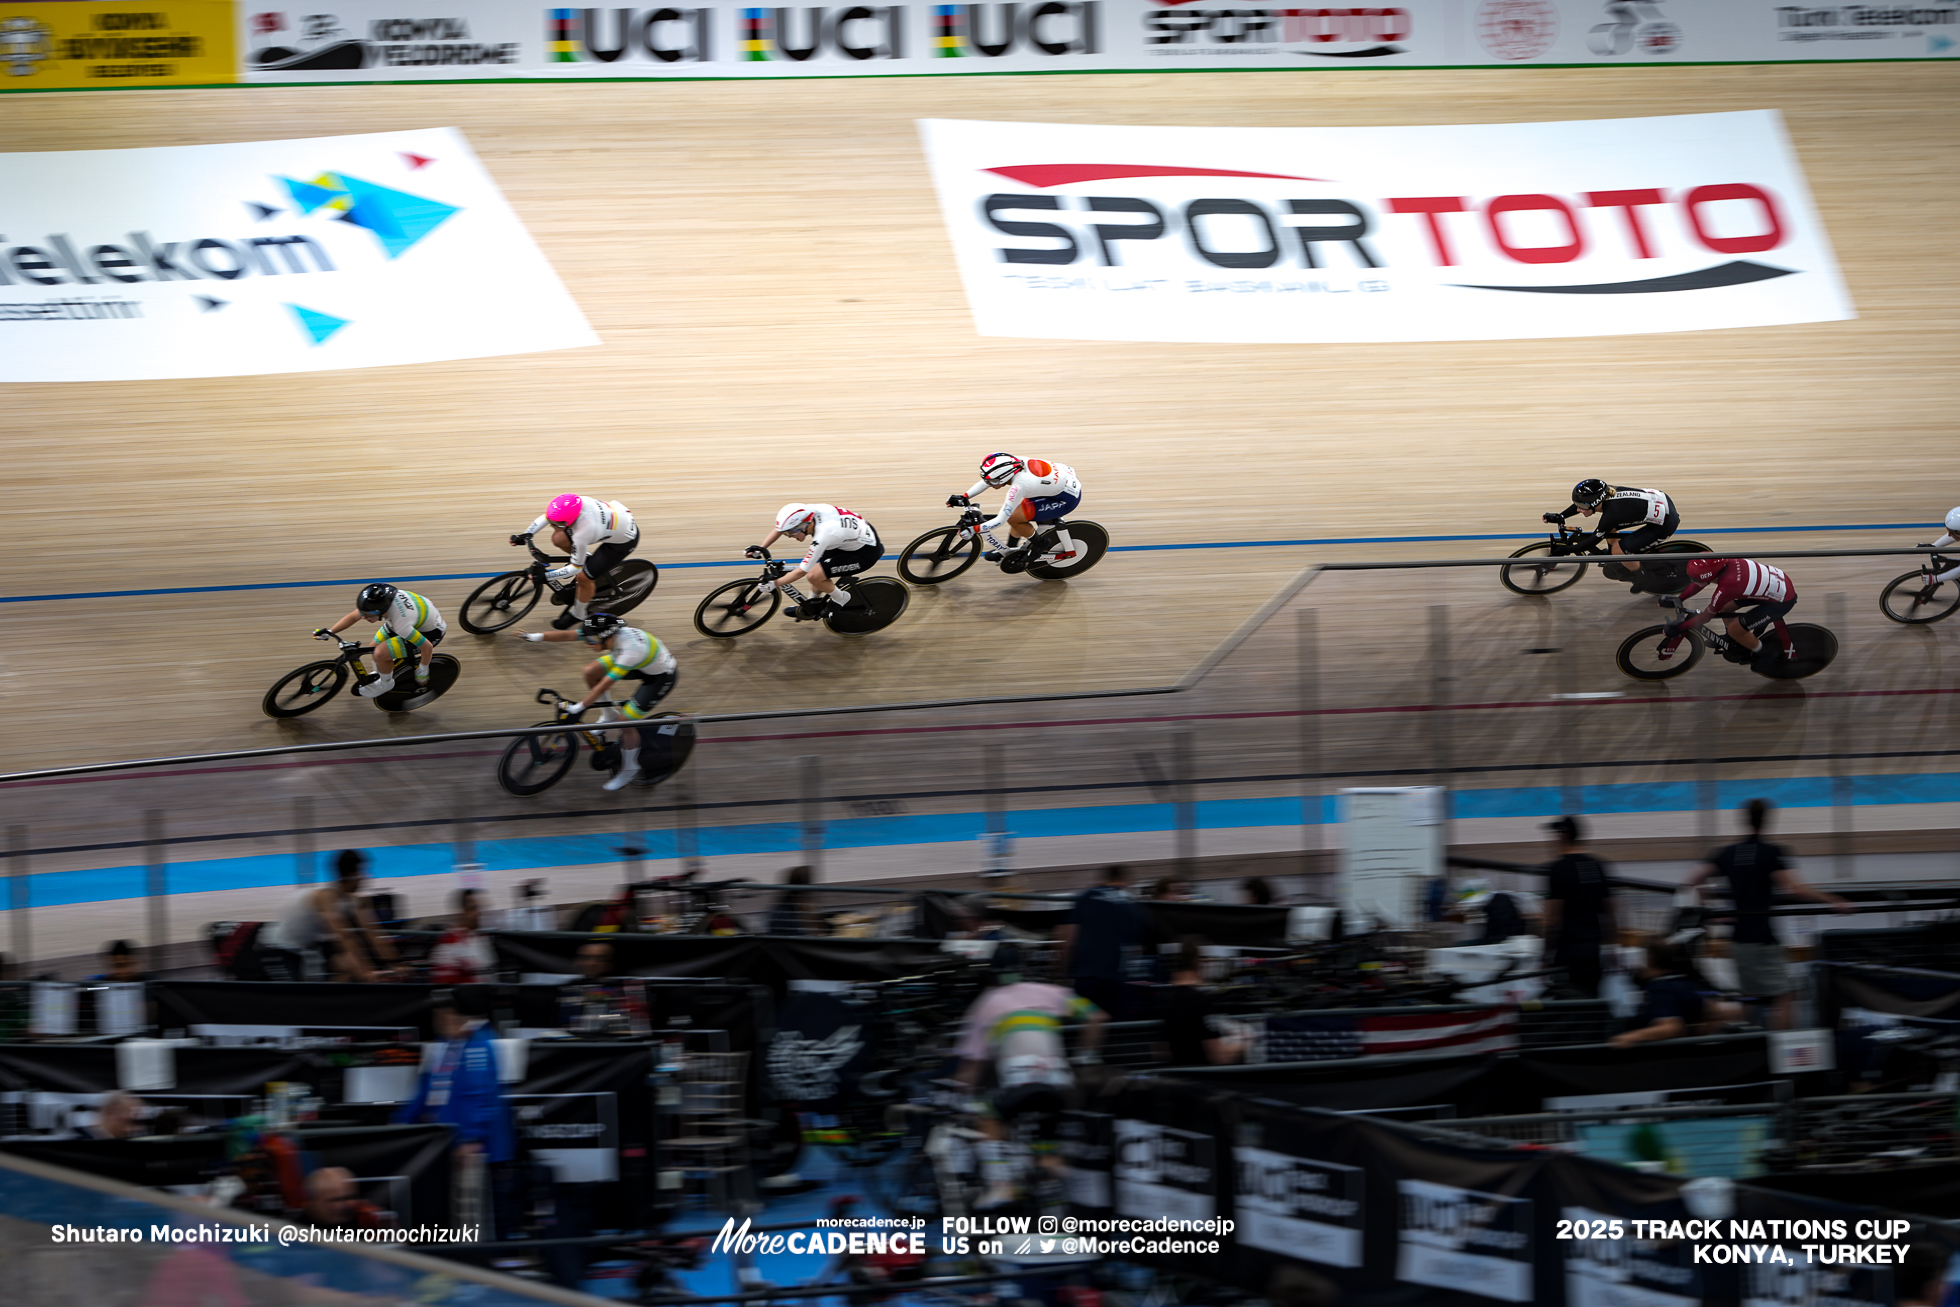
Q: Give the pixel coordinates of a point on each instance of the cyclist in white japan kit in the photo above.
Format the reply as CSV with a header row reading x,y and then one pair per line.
x,y
408,621
1038,493
841,544
630,654
597,533
1951,537
1634,520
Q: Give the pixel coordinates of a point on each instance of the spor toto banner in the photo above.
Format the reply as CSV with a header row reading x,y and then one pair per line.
x,y
269,256
1303,234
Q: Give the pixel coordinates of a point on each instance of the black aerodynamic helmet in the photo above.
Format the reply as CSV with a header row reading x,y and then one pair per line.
x,y
1589,493
597,626
373,600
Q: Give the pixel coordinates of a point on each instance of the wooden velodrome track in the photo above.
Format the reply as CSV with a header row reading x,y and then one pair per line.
x,y
781,319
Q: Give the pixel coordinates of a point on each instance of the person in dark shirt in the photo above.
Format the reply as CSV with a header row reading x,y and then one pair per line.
x,y
1756,870
1674,1005
790,915
1104,931
1187,1010
1578,908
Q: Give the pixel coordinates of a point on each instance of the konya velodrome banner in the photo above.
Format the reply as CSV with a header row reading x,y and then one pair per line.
x,y
266,256
1310,234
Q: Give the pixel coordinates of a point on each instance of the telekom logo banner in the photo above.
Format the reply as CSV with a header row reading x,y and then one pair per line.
x,y
1305,234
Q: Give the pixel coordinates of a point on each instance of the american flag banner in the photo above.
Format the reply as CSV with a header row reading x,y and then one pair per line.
x,y
1318,1037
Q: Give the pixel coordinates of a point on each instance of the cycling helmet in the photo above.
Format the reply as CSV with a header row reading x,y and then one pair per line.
x,y
374,600
1953,522
564,510
998,469
795,517
597,626
1701,569
1589,493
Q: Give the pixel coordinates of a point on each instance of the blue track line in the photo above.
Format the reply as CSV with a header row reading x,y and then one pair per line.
x,y
1114,549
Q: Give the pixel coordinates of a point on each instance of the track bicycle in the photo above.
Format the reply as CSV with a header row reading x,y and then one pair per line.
x,y
1553,567
503,600
1917,598
532,764
303,689
740,606
944,552
1639,654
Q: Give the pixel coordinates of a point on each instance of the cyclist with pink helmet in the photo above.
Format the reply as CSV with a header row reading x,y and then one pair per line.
x,y
1039,493
597,533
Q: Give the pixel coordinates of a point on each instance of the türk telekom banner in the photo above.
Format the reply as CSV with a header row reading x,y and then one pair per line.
x,y
1300,234
268,256
384,40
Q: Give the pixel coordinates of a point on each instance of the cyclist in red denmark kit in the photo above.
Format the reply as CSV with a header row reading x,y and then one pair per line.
x,y
1742,588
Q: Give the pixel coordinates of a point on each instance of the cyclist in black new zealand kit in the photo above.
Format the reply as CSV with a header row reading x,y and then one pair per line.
x,y
1633,521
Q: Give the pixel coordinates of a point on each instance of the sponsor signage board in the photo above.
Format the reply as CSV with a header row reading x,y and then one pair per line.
x,y
267,256
1464,1239
1476,232
50,47
375,40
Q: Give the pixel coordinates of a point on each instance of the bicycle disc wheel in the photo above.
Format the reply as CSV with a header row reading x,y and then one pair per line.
x,y
1091,543
533,764
666,743
938,556
1815,647
443,671
500,602
304,688
1639,655
1910,600
626,587
1546,576
735,609
877,602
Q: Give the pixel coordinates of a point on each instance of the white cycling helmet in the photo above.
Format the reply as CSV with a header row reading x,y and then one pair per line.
x,y
1953,522
795,517
998,469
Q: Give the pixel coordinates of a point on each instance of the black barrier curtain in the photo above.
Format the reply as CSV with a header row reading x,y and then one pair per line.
x,y
92,1069
1236,925
621,1071
768,960
1465,1083
330,1008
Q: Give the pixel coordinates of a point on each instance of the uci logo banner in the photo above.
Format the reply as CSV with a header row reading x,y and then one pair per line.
x,y
269,256
1284,234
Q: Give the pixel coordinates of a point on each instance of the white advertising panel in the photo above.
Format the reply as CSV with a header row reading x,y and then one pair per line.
x,y
266,256
379,40
1303,234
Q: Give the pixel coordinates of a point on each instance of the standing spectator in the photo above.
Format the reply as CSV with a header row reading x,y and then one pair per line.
x,y
329,932
462,1088
791,913
1578,908
1756,870
1188,1011
119,960
1101,941
462,956
1258,893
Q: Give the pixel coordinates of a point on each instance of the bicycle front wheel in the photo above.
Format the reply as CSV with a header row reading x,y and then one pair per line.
x,y
1639,655
1546,574
1910,599
533,764
735,609
305,688
938,556
500,602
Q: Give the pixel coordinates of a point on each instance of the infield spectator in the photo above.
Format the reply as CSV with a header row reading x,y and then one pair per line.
x,y
118,1116
791,913
329,931
1675,1004
334,1202
1188,1012
1755,870
119,963
1258,891
462,1090
1102,941
1578,908
463,956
